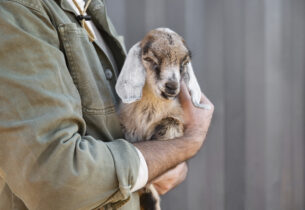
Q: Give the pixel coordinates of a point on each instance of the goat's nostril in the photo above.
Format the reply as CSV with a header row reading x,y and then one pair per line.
x,y
172,86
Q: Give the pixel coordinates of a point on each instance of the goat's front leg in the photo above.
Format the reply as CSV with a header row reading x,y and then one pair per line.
x,y
167,128
149,198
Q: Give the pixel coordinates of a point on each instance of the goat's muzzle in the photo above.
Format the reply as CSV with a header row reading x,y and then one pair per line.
x,y
171,90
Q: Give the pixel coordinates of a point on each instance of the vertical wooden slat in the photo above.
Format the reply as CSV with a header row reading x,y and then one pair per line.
x,y
255,113
287,69
298,104
213,85
234,104
278,118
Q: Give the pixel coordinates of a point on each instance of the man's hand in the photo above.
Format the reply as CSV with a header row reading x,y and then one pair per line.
x,y
197,121
171,178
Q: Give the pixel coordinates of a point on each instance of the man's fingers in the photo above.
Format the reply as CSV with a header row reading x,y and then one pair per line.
x,y
184,95
171,178
182,169
185,98
205,100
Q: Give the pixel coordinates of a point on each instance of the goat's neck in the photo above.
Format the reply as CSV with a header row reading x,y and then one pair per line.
x,y
149,98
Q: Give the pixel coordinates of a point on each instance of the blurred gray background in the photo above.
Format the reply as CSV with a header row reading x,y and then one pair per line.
x,y
249,57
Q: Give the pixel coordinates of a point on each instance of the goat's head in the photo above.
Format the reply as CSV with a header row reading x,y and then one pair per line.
x,y
161,60
164,56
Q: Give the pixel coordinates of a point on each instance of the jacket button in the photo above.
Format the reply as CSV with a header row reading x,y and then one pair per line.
x,y
108,74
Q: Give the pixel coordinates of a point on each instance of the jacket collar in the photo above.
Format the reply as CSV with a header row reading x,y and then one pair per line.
x,y
97,10
65,5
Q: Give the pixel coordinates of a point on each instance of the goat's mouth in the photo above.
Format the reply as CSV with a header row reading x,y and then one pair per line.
x,y
168,96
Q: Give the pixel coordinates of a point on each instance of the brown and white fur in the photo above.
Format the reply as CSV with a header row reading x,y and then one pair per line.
x,y
148,85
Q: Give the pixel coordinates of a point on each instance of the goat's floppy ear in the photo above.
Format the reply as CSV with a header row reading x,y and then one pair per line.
x,y
193,87
132,77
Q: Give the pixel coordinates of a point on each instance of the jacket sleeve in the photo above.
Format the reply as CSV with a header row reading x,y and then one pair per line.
x,y
45,156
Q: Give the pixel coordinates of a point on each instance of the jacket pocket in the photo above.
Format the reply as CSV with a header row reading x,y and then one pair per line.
x,y
86,70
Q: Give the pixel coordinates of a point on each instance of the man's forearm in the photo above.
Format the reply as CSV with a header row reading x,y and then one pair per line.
x,y
160,156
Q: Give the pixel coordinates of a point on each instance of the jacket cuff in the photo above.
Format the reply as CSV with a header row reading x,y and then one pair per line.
x,y
127,163
142,175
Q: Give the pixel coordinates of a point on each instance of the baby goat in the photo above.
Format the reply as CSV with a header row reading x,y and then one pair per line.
x,y
148,85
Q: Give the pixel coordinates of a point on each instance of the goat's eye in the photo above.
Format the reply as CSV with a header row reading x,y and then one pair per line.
x,y
148,59
154,65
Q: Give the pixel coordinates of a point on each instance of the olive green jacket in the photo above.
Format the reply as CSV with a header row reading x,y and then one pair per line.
x,y
60,139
